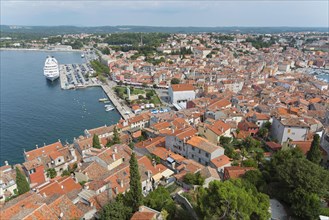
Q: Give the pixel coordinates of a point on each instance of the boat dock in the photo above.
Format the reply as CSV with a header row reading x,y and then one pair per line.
x,y
119,104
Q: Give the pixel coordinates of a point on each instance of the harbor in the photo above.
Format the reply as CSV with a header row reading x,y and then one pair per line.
x,y
119,104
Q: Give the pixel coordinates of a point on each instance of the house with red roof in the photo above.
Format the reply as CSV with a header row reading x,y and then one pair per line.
x,y
180,94
213,130
235,172
54,156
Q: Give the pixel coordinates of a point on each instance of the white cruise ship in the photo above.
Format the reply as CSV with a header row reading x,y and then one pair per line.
x,y
51,68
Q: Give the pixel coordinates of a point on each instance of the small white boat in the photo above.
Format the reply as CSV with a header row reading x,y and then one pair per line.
x,y
107,106
109,109
103,99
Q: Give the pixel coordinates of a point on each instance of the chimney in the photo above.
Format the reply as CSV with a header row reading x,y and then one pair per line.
x,y
36,146
6,163
61,215
116,190
121,183
115,150
44,195
62,187
59,140
113,156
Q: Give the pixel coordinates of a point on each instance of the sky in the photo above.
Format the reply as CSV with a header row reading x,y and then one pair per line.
x,y
297,13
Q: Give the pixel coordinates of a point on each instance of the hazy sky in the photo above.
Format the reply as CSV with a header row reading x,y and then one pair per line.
x,y
167,13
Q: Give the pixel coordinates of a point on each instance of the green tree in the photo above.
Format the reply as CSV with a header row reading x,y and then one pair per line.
x,y
194,179
256,178
267,125
249,163
131,145
116,136
96,143
135,196
160,199
298,182
66,173
22,185
314,154
149,94
308,206
116,210
263,133
175,81
251,143
231,200
224,140
51,173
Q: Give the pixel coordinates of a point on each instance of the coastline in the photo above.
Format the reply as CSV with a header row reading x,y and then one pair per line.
x,y
35,49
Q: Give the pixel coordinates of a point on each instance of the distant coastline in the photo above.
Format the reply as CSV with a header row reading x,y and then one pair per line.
x,y
36,49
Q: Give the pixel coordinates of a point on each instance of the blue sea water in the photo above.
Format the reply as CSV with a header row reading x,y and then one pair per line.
x,y
35,111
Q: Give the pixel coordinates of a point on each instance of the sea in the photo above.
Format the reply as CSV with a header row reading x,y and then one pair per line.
x,y
35,111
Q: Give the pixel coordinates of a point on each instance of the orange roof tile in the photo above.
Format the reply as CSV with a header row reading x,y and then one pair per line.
x,y
182,87
221,161
46,150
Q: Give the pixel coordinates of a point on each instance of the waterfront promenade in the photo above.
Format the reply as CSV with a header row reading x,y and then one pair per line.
x,y
119,104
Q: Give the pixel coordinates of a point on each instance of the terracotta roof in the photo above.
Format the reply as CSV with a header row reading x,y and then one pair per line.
x,y
185,133
221,161
41,213
305,146
182,87
63,205
236,172
144,215
219,127
203,144
223,103
60,186
46,150
274,146
294,122
152,142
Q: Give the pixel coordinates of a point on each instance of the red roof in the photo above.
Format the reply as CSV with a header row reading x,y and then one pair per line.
x,y
182,87
235,172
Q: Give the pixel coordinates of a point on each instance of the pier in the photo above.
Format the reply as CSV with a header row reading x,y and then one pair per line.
x,y
119,104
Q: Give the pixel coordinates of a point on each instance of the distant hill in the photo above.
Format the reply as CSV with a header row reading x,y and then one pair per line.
x,y
53,30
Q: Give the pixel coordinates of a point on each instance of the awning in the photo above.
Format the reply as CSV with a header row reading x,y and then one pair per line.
x,y
157,177
167,173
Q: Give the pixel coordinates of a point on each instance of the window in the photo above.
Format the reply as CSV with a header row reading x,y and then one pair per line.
x,y
199,160
207,163
193,148
199,151
192,155
289,130
59,160
207,155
